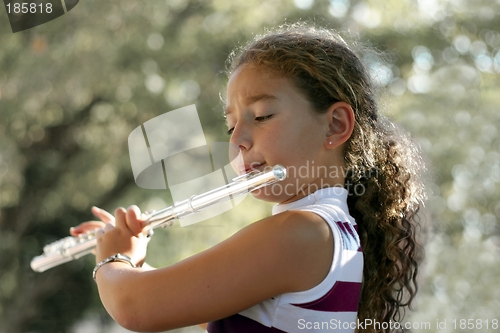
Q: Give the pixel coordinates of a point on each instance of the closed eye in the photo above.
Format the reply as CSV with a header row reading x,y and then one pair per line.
x,y
260,119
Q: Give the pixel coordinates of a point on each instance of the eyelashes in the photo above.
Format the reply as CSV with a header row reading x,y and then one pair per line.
x,y
261,119
257,119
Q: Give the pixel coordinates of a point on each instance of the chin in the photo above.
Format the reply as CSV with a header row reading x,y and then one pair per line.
x,y
270,193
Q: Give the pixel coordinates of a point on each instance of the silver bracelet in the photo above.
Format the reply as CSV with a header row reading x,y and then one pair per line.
x,y
114,257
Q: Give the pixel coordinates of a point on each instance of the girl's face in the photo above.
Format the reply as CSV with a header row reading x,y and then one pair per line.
x,y
272,122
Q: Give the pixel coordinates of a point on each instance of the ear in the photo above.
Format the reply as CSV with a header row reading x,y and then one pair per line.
x,y
340,124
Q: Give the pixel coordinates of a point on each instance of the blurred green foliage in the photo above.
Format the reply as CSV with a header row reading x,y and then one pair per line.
x,y
73,89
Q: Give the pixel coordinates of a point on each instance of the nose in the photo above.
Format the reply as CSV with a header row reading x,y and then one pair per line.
x,y
241,136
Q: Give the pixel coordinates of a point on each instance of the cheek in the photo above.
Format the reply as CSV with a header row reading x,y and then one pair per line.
x,y
274,142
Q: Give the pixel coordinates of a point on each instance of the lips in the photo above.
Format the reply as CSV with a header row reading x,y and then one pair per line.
x,y
253,166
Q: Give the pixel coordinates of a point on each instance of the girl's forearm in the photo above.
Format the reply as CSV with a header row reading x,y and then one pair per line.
x,y
119,289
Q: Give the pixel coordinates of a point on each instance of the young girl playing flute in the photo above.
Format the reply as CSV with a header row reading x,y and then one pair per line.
x,y
339,250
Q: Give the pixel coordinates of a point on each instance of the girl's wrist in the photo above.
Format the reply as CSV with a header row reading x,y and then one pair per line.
x,y
113,258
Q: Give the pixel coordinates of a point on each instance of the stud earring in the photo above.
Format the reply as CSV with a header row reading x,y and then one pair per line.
x,y
330,142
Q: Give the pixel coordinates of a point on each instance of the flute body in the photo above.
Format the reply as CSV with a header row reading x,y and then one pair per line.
x,y
71,248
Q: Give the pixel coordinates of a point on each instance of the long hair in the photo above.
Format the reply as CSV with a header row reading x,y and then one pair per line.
x,y
385,190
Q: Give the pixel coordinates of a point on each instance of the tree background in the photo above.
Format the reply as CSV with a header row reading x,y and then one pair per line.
x,y
73,89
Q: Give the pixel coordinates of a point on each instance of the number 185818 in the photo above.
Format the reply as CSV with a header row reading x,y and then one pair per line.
x,y
32,8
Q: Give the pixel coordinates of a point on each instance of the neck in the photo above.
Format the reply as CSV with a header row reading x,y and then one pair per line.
x,y
312,187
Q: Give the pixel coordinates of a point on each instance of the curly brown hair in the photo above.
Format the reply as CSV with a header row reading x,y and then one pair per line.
x,y
379,157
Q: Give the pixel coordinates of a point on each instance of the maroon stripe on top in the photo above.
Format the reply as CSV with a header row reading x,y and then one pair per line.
x,y
350,238
239,324
357,233
343,297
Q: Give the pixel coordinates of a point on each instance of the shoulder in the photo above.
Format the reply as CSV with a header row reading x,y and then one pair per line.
x,y
296,226
299,242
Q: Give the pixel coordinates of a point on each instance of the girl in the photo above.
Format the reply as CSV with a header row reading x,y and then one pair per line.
x,y
338,253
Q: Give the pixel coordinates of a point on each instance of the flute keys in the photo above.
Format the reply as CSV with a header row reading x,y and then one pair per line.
x,y
60,245
88,235
147,214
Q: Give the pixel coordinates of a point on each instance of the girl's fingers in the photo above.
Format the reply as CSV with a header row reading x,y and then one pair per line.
x,y
86,227
120,218
134,223
108,227
102,214
82,228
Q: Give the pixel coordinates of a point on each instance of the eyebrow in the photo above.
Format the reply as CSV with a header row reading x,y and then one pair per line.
x,y
252,99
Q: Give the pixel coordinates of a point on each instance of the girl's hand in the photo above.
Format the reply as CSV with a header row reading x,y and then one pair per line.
x,y
126,236
85,227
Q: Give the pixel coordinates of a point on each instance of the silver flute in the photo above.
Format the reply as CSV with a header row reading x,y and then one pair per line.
x,y
71,248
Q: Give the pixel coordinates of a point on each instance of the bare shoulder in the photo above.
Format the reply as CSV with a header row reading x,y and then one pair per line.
x,y
304,242
301,225
299,228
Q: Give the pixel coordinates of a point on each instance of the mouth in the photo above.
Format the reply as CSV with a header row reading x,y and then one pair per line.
x,y
253,166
